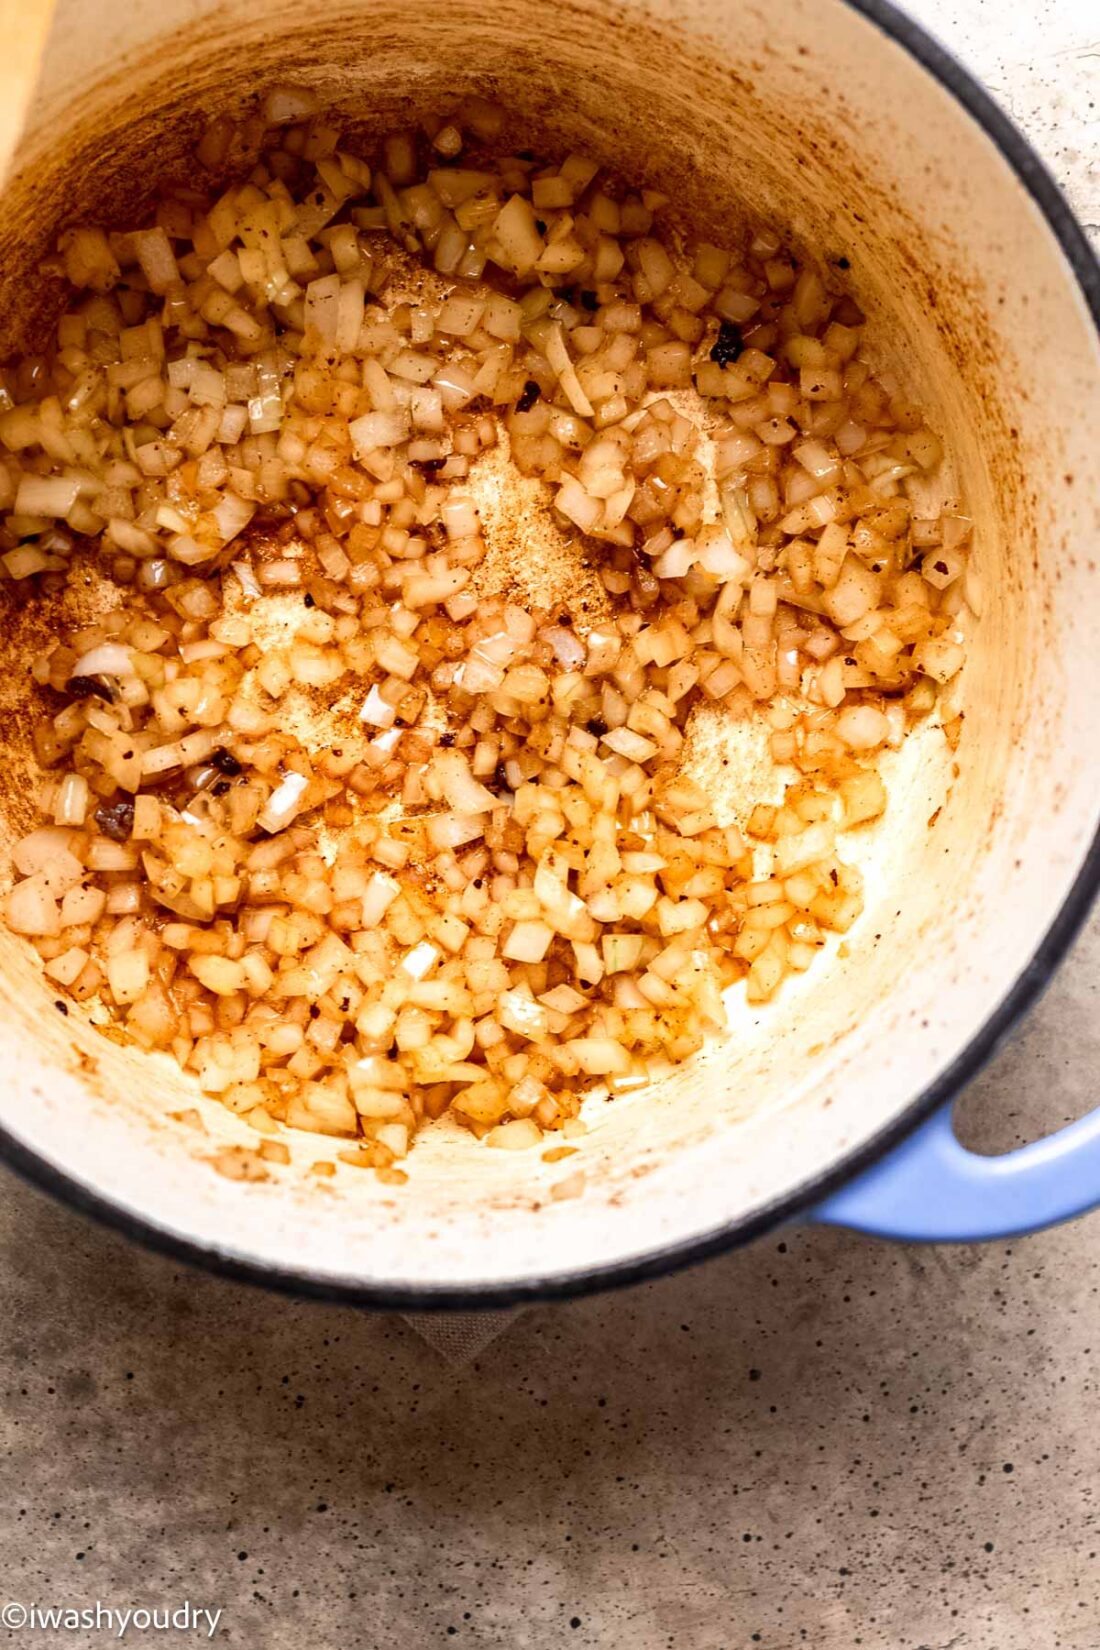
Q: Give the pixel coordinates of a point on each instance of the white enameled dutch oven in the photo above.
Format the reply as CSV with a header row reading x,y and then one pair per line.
x,y
841,122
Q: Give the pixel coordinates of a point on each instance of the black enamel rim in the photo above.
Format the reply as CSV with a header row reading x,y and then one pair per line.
x,y
1046,195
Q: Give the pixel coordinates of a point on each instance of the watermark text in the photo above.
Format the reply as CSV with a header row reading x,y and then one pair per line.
x,y
115,1620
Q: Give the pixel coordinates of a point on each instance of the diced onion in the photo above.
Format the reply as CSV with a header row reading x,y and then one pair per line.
x,y
108,659
373,795
284,802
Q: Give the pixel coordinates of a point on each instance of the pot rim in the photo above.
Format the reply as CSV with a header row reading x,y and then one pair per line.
x,y
1033,979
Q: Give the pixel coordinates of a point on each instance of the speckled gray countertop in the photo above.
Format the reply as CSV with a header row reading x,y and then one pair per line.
x,y
818,1441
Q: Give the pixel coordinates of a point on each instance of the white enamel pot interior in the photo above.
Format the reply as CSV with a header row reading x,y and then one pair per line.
x,y
813,117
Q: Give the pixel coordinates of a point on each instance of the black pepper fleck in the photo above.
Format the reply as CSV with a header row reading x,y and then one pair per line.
x,y
116,819
85,687
728,345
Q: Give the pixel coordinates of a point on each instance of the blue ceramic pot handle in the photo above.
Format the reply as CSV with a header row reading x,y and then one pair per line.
x,y
931,1189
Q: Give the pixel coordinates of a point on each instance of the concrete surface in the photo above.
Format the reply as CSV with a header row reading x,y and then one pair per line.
x,y
819,1441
